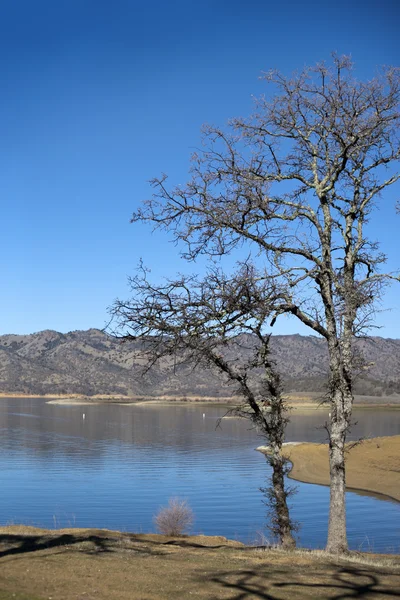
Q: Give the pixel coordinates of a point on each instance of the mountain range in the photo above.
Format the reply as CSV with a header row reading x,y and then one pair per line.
x,y
92,362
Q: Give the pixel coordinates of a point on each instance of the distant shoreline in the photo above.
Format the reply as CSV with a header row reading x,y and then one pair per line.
x,y
301,400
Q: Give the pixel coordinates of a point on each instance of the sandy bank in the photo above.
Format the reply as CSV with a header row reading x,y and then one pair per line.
x,y
87,401
310,400
373,465
141,400
172,400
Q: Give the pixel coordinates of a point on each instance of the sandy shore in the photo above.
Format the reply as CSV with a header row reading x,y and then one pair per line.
x,y
311,400
372,466
141,400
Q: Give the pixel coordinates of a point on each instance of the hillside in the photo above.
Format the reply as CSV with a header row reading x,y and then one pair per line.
x,y
91,362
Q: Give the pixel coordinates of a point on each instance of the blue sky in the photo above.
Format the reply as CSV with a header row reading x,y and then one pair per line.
x,y
99,97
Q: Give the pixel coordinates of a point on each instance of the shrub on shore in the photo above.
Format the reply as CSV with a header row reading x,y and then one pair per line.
x,y
174,519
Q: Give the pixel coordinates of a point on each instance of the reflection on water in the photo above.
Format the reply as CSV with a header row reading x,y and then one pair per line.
x,y
116,466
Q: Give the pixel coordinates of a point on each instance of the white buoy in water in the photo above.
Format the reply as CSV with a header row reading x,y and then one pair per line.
x,y
204,415
83,415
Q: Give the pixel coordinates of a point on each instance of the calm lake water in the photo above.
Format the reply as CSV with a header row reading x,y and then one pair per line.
x,y
116,467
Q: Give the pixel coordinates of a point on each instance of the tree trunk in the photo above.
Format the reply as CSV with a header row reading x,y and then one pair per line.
x,y
282,525
337,536
341,405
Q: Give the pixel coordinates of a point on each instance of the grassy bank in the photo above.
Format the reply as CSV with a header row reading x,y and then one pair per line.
x,y
81,564
373,465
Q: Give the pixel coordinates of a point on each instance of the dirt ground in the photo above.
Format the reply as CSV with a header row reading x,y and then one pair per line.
x,y
373,465
74,564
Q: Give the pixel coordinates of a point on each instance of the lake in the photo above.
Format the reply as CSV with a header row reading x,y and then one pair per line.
x,y
118,465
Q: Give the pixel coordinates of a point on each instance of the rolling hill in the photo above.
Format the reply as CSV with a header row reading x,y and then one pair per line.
x,y
92,362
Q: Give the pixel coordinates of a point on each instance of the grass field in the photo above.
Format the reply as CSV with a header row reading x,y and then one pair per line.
x,y
80,564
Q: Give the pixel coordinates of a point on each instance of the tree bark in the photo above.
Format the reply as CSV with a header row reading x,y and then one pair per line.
x,y
337,536
284,524
341,399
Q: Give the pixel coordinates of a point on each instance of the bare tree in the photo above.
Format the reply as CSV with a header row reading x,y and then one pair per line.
x,y
298,181
204,321
174,519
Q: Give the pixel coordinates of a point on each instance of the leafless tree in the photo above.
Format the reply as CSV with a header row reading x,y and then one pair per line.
x,y
203,321
297,182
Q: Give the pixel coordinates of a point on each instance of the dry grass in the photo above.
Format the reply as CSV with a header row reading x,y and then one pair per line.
x,y
79,564
373,465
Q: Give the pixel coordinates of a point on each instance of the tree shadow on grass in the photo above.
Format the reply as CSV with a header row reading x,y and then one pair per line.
x,y
17,544
271,580
334,583
14,544
182,543
351,582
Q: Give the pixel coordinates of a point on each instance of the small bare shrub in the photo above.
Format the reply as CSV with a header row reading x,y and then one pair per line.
x,y
175,518
261,541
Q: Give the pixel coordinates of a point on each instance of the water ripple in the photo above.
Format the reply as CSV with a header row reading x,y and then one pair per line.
x,y
116,467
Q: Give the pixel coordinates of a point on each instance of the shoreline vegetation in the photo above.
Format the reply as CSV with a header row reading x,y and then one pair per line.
x,y
112,565
295,400
372,466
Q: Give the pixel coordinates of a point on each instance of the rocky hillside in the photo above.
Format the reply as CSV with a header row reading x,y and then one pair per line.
x,y
91,362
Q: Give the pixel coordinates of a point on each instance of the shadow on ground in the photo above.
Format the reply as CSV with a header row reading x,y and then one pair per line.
x,y
18,544
22,544
339,583
14,544
139,566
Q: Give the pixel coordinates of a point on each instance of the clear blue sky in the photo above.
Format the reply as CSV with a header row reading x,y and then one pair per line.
x,y
98,97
